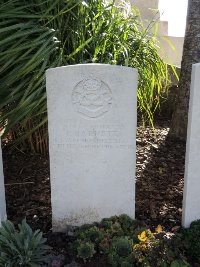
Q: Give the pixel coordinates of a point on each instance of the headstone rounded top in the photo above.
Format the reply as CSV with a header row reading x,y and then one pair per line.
x,y
93,65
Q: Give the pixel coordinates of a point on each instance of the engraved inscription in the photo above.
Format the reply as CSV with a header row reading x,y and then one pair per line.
x,y
97,136
92,97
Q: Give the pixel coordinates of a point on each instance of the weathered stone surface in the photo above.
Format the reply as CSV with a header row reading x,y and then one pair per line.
x,y
191,199
2,190
92,125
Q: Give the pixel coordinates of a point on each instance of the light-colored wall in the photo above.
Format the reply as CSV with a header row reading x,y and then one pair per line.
x,y
148,9
160,26
146,3
163,28
171,49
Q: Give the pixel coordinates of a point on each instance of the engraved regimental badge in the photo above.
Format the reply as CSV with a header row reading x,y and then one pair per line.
x,y
92,97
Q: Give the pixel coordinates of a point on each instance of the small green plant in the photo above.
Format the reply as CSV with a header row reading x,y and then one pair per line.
x,y
126,222
104,245
122,246
120,253
106,223
192,240
158,249
85,250
94,234
179,263
115,230
21,247
126,264
124,242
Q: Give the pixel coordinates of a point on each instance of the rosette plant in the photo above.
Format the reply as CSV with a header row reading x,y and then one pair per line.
x,y
22,247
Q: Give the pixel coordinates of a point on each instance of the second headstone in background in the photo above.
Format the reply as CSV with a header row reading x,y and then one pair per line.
x,y
92,138
191,195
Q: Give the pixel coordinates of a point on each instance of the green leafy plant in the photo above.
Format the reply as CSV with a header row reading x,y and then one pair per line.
x,y
115,230
104,245
126,242
120,253
125,221
126,264
22,247
192,240
158,249
37,35
94,234
85,250
102,234
106,223
122,246
179,263
128,225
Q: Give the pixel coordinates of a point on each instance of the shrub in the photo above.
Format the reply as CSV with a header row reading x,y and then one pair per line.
x,y
179,263
115,230
119,225
126,222
122,246
22,247
126,242
106,223
192,240
158,249
105,237
104,245
85,250
94,234
120,253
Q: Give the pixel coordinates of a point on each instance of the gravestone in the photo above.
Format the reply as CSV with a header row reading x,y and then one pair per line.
x,y
191,196
2,190
92,135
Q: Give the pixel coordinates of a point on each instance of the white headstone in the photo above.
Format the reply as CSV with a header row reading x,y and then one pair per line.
x,y
92,127
191,196
2,190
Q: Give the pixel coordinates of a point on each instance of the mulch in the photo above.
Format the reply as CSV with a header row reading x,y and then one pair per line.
x,y
159,177
159,183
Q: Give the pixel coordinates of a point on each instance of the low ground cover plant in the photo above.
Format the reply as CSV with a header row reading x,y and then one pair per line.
x,y
118,241
126,242
22,247
191,238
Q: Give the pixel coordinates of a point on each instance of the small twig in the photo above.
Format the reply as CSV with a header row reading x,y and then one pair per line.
x,y
36,208
19,150
21,183
21,171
